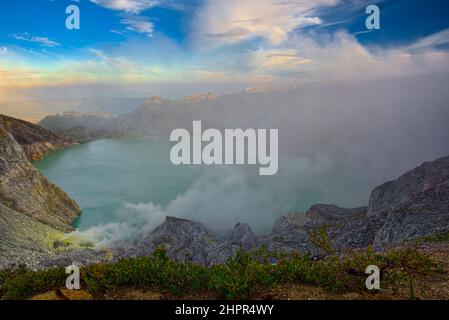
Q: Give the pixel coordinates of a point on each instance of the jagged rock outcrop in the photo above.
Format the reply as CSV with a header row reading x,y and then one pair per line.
x,y
36,141
191,241
24,189
185,241
413,206
243,236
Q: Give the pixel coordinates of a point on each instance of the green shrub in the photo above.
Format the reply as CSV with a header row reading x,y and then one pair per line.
x,y
21,282
236,279
442,237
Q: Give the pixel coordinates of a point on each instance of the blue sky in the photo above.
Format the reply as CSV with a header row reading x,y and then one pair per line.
x,y
203,41
402,21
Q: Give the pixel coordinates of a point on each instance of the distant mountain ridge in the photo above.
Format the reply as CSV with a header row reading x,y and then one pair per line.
x,y
36,110
76,125
311,118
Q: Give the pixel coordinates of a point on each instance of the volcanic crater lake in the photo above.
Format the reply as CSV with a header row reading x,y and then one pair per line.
x,y
132,183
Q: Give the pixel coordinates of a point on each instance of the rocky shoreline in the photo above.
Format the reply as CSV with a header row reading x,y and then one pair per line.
x,y
35,214
414,206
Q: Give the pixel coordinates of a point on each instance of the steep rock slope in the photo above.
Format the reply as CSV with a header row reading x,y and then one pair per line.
x,y
24,189
413,206
36,141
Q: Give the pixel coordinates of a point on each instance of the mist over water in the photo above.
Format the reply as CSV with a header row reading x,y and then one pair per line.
x,y
126,186
337,142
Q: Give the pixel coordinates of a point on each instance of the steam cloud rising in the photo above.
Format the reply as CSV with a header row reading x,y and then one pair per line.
x,y
337,142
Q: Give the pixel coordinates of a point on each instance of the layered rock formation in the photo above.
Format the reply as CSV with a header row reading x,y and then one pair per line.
x,y
36,141
413,206
33,211
24,189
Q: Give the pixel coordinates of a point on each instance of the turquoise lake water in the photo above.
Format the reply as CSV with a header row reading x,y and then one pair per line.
x,y
103,175
132,183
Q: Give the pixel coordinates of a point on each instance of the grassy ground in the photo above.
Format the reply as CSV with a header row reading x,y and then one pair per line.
x,y
417,272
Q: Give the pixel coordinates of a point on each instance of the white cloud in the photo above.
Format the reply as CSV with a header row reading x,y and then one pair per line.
x,y
278,59
138,24
131,10
337,56
432,41
232,21
43,41
3,50
133,6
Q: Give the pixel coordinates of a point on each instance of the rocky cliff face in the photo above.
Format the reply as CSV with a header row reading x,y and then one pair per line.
x,y
36,141
24,189
413,206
